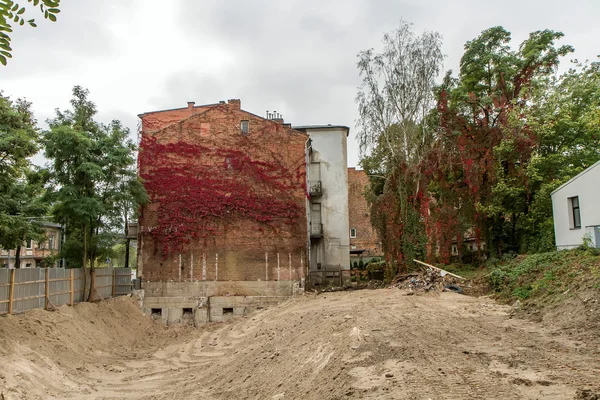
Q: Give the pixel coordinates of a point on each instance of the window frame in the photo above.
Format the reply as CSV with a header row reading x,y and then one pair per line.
x,y
352,236
247,123
574,212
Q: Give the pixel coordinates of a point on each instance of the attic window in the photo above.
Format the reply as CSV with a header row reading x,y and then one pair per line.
x,y
245,127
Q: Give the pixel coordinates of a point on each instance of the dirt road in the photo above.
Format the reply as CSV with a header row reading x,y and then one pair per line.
x,y
379,344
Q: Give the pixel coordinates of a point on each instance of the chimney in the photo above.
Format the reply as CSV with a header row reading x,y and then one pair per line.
x,y
235,104
190,105
278,120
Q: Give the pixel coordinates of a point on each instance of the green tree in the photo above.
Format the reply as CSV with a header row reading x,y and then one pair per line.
x,y
12,13
564,115
95,181
21,187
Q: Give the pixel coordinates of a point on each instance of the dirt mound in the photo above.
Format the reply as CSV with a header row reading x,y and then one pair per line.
x,y
373,344
41,350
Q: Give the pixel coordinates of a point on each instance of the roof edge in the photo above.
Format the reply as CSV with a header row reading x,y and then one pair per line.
x,y
579,175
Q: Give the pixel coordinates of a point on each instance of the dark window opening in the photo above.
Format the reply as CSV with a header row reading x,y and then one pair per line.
x,y
575,213
188,311
156,312
29,244
228,311
245,126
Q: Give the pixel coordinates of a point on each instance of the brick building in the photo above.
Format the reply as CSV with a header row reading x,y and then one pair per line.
x,y
34,254
226,227
364,242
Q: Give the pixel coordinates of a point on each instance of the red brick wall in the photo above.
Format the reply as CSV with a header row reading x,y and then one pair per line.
x,y
359,214
214,164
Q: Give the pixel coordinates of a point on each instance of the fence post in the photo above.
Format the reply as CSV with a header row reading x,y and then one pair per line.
x,y
11,291
47,287
72,285
92,284
114,282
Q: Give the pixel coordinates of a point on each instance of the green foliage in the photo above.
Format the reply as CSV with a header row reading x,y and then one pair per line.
x,y
545,274
21,186
12,13
94,179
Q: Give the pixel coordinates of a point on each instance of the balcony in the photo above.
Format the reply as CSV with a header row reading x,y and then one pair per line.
x,y
316,230
315,189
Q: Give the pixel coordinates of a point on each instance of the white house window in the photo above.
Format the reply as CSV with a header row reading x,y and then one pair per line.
x,y
352,233
575,212
51,242
245,126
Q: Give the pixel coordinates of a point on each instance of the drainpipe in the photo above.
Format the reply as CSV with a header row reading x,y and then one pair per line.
x,y
308,147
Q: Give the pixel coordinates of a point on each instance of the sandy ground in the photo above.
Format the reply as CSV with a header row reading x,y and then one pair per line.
x,y
370,344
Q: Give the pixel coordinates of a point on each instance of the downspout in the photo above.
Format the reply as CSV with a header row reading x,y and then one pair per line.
x,y
308,147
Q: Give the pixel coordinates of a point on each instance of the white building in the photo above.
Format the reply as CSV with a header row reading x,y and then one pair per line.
x,y
576,209
328,206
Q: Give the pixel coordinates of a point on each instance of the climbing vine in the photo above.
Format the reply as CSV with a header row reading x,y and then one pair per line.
x,y
199,189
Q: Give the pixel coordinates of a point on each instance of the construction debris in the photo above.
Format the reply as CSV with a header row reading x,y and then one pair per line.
x,y
430,279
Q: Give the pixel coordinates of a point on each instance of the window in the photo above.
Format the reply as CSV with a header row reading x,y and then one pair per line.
x,y
51,242
352,233
575,213
29,244
28,265
245,127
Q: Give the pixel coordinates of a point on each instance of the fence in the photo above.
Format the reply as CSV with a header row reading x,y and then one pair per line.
x,y
28,288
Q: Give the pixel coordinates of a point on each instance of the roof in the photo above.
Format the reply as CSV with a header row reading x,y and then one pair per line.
x,y
328,126
179,108
585,171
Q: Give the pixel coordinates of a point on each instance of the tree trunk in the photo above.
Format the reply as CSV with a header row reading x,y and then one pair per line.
x,y
18,257
127,253
92,262
126,243
84,262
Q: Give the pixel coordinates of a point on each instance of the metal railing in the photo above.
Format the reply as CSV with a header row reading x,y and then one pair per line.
x,y
316,230
315,189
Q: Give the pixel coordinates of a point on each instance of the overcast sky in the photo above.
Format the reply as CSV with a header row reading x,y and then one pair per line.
x,y
297,57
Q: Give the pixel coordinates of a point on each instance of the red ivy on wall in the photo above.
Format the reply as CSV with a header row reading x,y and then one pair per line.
x,y
199,189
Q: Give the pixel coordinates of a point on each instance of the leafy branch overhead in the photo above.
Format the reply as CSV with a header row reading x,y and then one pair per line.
x,y
12,13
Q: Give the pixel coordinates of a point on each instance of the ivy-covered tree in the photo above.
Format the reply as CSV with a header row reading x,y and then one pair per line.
x,y
12,13
487,140
94,179
394,100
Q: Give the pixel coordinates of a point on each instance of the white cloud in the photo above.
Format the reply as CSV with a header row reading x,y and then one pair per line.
x,y
296,57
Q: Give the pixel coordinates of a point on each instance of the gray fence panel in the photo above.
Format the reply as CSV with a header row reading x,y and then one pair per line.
x,y
4,290
59,290
30,286
78,285
123,283
103,280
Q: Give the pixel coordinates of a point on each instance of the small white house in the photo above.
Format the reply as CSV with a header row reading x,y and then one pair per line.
x,y
576,210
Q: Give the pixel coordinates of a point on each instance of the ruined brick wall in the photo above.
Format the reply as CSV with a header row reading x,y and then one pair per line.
x,y
224,205
359,214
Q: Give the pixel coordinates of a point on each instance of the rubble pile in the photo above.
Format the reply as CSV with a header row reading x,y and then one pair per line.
x,y
428,280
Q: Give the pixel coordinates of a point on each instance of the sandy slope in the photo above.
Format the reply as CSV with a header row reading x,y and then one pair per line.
x,y
379,344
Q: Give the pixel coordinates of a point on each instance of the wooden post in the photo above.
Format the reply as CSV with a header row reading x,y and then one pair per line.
x,y
114,282
11,291
47,288
92,284
72,286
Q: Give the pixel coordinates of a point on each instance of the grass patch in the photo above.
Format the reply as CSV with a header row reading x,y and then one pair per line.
x,y
545,275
